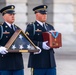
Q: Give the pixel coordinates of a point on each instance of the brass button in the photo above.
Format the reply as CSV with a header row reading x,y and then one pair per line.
x,y
2,55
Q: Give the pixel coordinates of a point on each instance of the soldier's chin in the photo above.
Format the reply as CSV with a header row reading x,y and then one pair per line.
x,y
44,21
12,21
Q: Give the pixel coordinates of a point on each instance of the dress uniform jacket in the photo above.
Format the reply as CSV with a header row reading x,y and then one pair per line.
x,y
46,58
9,61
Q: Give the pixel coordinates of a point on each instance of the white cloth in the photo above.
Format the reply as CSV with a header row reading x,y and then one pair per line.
x,y
45,46
3,50
41,23
52,31
38,49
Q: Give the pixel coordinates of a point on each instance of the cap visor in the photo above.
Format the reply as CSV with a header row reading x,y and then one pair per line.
x,y
10,12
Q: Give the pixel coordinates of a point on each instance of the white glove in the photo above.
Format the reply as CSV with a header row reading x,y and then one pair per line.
x,y
45,46
38,49
3,50
52,31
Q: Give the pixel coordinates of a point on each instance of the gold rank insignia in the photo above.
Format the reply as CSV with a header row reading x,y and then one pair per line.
x,y
27,33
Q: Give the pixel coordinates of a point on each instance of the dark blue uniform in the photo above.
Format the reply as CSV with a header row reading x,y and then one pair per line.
x,y
10,61
45,60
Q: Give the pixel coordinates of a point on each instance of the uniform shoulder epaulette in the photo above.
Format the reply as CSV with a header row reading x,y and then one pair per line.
x,y
16,26
48,24
30,23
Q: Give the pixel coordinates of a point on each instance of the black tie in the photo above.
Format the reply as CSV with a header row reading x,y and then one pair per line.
x,y
12,27
44,26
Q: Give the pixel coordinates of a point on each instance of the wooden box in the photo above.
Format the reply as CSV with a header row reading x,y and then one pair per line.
x,y
54,39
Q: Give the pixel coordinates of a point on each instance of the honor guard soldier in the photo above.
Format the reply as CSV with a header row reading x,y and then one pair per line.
x,y
42,63
10,63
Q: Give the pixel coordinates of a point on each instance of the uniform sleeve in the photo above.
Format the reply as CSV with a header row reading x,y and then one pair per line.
x,y
52,27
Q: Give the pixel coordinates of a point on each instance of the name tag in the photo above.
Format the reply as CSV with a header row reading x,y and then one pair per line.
x,y
6,32
38,30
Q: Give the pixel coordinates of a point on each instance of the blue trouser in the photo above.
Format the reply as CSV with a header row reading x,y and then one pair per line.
x,y
11,72
51,71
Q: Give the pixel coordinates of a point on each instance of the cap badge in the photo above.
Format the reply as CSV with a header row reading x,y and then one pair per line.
x,y
44,7
12,7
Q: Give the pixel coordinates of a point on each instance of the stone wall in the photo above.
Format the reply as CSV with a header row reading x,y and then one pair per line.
x,y
31,5
64,16
21,11
64,21
50,13
74,3
2,4
34,3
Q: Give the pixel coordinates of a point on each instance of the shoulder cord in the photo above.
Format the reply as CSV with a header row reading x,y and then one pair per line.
x,y
33,29
1,32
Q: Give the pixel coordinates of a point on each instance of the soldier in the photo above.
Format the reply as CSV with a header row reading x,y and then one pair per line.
x,y
44,62
10,63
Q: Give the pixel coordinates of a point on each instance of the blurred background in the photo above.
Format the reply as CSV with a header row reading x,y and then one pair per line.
x,y
62,15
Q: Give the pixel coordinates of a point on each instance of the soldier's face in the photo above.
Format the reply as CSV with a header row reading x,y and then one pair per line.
x,y
10,18
41,17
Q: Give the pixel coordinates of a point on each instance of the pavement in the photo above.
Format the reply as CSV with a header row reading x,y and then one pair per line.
x,y
65,60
